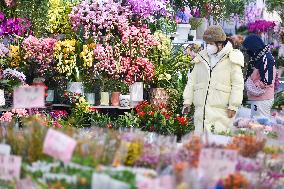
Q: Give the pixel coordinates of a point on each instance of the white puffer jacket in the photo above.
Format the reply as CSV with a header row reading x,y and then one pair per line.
x,y
215,90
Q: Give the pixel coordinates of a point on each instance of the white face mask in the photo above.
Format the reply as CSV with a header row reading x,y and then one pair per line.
x,y
211,49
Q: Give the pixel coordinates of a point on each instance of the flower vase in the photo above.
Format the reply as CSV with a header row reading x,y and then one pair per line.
x,y
90,98
2,97
182,32
75,87
115,98
159,96
104,99
136,93
124,100
50,96
201,28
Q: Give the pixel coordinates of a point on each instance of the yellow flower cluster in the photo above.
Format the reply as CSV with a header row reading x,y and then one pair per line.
x,y
88,54
58,19
15,57
134,152
82,106
64,53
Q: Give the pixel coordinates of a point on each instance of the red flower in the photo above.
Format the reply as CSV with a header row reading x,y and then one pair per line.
x,y
152,128
141,114
151,113
166,115
109,126
182,120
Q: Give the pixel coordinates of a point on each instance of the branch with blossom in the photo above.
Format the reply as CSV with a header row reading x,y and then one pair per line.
x,y
40,51
98,20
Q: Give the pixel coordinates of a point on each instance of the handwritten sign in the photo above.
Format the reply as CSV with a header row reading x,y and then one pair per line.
x,y
217,162
29,97
2,98
59,145
5,149
10,167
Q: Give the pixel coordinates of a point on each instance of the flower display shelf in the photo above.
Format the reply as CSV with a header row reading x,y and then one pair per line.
x,y
112,107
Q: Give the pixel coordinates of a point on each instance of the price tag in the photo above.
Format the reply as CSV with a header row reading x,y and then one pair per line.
x,y
10,167
59,145
5,149
29,97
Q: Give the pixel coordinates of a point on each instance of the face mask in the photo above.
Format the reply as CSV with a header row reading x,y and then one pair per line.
x,y
211,49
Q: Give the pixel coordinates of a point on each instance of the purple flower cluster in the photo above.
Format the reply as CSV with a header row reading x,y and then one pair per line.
x,y
260,26
252,13
16,26
146,8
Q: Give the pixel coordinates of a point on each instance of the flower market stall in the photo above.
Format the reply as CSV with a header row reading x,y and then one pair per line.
x,y
91,97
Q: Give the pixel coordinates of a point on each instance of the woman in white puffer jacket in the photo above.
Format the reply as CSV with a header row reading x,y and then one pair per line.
x,y
216,83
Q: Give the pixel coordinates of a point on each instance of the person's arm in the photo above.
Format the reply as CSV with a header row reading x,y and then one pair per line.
x,y
237,82
188,91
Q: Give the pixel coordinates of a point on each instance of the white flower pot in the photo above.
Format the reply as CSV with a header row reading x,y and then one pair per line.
x,y
182,32
90,98
104,99
2,98
124,100
75,87
50,96
136,93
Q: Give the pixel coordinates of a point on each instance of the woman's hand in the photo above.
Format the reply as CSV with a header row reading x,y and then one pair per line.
x,y
185,109
231,113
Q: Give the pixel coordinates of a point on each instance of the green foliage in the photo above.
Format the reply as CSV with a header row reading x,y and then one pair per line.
x,y
276,5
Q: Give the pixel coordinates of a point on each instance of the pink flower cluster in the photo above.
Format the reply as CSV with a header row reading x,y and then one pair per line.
x,y
140,69
40,51
138,41
8,116
99,19
10,3
107,58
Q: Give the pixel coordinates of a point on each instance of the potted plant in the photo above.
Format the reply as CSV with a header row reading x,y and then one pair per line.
x,y
104,94
168,63
89,92
183,27
195,24
124,99
68,64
